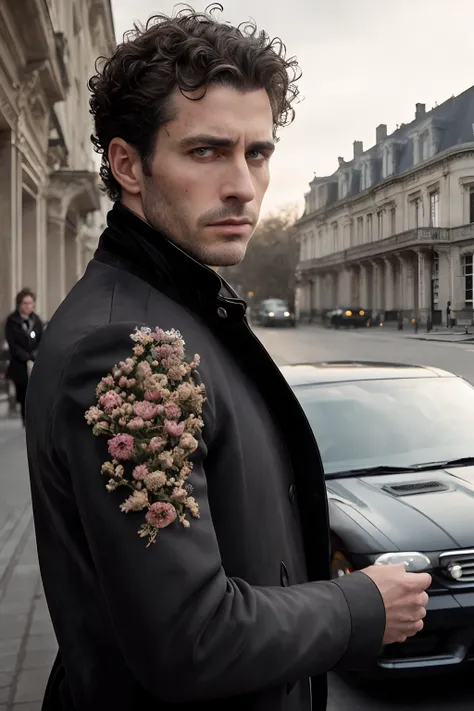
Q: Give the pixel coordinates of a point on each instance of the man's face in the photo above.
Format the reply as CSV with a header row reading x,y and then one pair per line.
x,y
210,172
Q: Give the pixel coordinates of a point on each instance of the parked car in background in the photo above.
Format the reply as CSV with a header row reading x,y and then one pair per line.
x,y
275,312
398,452
346,317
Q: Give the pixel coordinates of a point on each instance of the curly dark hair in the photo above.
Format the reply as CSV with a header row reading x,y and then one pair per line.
x,y
130,92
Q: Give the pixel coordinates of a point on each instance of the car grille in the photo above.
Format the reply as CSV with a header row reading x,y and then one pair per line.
x,y
458,566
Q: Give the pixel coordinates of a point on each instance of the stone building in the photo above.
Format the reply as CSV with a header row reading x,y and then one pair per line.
x,y
392,230
49,190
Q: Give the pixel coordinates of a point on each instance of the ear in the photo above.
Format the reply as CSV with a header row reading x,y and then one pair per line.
x,y
126,166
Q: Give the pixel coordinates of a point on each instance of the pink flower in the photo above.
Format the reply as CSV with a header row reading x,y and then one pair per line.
x,y
179,494
157,443
140,472
153,395
121,446
172,411
136,424
161,514
110,401
175,429
145,410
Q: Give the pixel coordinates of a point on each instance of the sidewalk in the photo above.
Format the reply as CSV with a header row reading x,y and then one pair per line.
x,y
27,642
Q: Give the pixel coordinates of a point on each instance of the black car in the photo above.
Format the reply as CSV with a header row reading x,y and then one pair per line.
x,y
275,312
397,445
346,317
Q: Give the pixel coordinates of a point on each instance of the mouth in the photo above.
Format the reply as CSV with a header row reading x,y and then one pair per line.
x,y
232,222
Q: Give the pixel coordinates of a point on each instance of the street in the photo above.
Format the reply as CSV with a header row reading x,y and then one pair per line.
x,y
27,643
313,343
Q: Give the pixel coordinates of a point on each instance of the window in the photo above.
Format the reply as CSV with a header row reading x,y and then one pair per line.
x,y
435,276
369,228
417,215
335,237
471,204
380,224
434,209
467,274
393,221
360,230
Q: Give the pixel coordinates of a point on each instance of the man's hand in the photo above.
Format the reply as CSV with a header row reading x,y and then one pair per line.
x,y
404,598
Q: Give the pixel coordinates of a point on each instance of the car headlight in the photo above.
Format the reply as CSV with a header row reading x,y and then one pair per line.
x,y
348,313
271,314
287,314
413,562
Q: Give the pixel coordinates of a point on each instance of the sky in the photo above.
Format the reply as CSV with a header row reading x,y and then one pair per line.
x,y
364,62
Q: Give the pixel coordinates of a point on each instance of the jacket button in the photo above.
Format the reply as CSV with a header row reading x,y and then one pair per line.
x,y
221,312
292,494
284,577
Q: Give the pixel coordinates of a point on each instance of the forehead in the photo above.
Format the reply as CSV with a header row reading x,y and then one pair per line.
x,y
224,112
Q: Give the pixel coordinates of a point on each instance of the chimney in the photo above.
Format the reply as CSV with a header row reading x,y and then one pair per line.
x,y
381,133
420,111
341,161
358,148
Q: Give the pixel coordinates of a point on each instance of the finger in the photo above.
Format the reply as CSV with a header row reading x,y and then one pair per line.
x,y
422,581
424,599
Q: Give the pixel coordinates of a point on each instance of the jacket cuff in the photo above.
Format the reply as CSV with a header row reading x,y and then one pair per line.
x,y
368,618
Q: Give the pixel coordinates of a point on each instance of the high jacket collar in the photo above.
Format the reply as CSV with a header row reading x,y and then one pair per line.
x,y
132,243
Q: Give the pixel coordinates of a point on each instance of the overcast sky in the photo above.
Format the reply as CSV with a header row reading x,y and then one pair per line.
x,y
364,62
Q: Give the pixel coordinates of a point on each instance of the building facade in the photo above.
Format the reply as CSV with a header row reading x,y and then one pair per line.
x,y
49,193
392,230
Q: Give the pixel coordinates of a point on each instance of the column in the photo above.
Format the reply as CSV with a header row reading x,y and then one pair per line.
x,y
389,285
10,207
29,248
364,288
377,286
344,291
423,265
56,272
355,287
41,246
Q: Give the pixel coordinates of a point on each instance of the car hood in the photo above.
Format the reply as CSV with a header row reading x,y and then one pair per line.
x,y
433,511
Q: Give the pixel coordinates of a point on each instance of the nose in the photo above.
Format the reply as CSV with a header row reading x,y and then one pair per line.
x,y
238,184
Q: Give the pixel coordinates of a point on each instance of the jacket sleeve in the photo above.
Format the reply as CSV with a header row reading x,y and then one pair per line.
x,y
39,334
16,351
187,631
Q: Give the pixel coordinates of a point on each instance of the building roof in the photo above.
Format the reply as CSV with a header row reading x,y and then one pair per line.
x,y
453,123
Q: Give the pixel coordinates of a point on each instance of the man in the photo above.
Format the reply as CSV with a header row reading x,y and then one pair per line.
x,y
236,611
23,333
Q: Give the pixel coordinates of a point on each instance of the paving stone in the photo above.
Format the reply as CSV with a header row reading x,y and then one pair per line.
x,y
39,660
36,706
12,626
43,627
4,694
6,679
7,663
41,643
31,685
9,646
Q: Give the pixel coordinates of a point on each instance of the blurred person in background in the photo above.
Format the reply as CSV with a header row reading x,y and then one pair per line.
x,y
23,332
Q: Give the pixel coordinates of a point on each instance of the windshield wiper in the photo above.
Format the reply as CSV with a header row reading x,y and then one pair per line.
x,y
380,469
460,462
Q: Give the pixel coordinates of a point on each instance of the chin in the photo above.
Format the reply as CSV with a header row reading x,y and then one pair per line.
x,y
228,255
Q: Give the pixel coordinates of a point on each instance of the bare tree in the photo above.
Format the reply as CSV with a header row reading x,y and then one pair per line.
x,y
268,270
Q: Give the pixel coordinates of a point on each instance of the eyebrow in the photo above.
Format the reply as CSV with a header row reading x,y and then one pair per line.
x,y
217,142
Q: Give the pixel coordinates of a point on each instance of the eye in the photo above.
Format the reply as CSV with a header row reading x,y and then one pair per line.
x,y
257,155
203,152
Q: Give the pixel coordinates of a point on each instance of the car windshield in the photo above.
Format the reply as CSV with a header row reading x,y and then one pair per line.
x,y
398,423
275,304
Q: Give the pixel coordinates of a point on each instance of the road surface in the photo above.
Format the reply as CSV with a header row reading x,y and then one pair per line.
x,y
312,343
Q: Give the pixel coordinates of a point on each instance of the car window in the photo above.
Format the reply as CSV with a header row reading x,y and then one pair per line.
x,y
390,422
